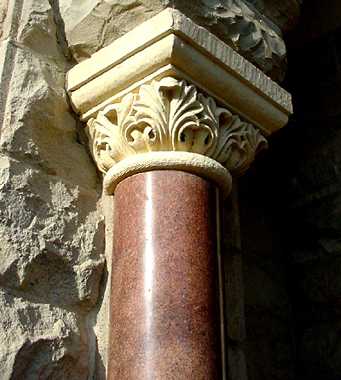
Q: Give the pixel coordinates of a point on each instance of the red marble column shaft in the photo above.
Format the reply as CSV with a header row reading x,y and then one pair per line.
x,y
164,317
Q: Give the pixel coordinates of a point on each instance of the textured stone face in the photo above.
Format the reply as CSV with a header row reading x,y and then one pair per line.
x,y
51,224
96,23
3,10
284,13
93,24
51,228
244,28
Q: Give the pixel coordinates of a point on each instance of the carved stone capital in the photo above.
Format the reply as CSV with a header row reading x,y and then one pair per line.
x,y
170,115
170,102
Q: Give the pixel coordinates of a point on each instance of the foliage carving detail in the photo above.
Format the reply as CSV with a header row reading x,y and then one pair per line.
x,y
171,115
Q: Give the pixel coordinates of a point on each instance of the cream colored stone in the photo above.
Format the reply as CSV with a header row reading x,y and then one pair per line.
x,y
93,24
3,15
171,44
170,86
51,225
171,116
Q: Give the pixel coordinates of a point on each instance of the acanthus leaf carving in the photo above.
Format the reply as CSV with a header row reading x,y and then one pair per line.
x,y
171,115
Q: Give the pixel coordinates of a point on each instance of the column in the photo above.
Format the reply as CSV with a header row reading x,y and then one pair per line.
x,y
164,309
172,115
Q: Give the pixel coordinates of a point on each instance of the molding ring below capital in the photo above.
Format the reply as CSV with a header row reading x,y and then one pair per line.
x,y
194,163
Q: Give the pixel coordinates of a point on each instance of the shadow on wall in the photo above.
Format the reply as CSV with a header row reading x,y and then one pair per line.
x,y
295,234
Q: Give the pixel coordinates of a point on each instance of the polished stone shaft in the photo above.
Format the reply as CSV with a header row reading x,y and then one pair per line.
x,y
164,315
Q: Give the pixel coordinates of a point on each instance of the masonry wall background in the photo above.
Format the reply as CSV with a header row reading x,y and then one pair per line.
x,y
51,226
281,244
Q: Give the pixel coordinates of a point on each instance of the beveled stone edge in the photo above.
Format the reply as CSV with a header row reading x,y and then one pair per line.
x,y
170,70
171,21
231,60
188,63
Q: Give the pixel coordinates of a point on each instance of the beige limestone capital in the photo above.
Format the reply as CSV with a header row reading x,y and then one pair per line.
x,y
170,95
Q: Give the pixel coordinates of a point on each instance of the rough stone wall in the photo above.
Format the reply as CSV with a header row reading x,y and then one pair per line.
x,y
93,24
51,228
53,276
